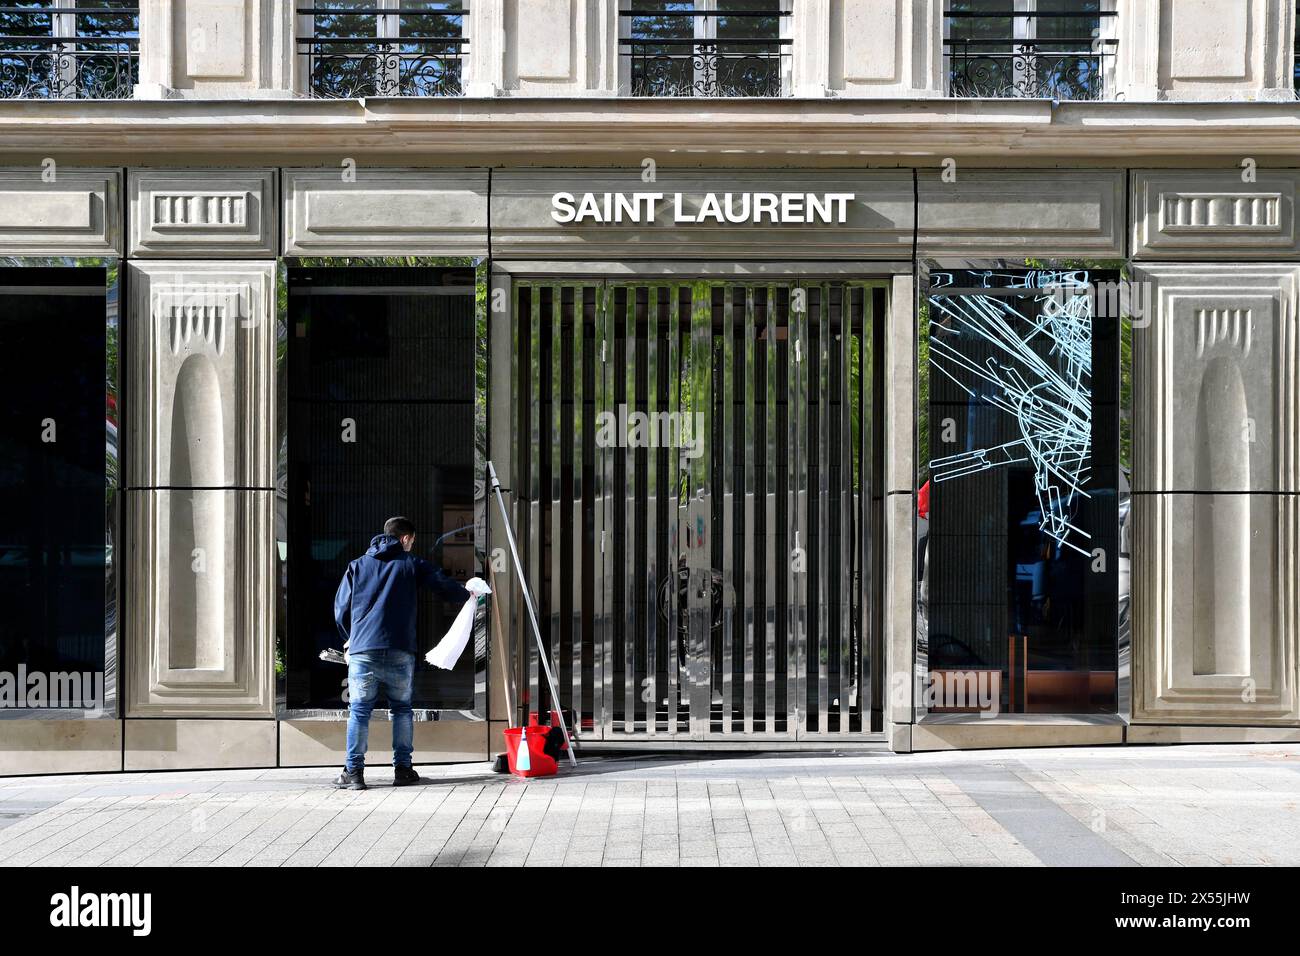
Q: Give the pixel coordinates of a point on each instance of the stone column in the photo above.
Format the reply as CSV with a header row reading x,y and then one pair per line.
x,y
1216,471
1137,56
900,514
486,27
200,368
811,32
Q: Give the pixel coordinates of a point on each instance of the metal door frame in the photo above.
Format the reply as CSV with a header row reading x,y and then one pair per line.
x,y
606,276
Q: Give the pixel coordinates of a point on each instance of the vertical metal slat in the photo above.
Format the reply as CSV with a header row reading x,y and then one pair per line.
x,y
728,492
749,455
798,465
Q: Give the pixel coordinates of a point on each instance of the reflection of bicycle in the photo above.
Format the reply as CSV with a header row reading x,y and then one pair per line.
x,y
683,603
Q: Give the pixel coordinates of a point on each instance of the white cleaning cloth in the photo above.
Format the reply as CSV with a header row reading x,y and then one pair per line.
x,y
448,650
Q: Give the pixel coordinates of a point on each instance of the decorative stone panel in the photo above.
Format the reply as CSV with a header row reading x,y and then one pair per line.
x,y
1038,213
1216,391
545,29
215,49
78,212
877,221
1215,631
1189,215
1216,508
415,212
1218,49
198,212
200,621
199,744
200,369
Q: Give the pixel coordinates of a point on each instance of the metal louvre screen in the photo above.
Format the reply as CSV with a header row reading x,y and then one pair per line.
x,y
696,503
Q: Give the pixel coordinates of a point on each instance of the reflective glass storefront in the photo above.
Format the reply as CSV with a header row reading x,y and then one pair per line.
x,y
1019,509
384,418
57,488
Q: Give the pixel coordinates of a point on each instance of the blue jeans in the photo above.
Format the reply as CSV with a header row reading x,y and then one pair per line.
x,y
368,673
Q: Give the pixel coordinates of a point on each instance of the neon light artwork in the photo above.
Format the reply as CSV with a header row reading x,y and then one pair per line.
x,y
1026,347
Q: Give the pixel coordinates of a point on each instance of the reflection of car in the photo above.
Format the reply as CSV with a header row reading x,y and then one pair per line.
x,y
946,651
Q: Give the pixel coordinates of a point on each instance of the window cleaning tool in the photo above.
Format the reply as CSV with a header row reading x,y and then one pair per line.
x,y
502,762
537,633
498,634
334,656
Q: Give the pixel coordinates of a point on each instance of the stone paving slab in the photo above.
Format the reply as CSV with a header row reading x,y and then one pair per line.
x,y
1134,806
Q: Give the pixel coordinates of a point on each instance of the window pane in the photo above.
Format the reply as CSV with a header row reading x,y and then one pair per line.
x,y
88,51
53,475
979,48
1019,515
397,360
750,64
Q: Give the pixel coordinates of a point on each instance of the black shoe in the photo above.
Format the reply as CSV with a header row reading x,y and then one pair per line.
x,y
348,780
404,777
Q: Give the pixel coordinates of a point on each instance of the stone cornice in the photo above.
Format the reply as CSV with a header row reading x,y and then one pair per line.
x,y
580,131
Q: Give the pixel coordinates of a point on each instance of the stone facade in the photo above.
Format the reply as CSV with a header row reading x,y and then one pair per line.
x,y
221,165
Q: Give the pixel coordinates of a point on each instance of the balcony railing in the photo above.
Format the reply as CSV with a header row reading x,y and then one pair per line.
x,y
67,52
1059,56
355,51
674,52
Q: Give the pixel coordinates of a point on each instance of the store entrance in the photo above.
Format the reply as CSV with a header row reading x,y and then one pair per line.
x,y
700,503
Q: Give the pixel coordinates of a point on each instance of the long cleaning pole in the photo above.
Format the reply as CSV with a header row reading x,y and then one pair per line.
x,y
532,617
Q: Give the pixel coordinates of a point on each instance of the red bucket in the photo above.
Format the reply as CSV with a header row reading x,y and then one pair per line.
x,y
542,765
534,721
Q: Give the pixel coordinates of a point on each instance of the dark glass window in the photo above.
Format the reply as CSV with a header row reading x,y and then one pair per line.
x,y
392,352
1018,510
53,475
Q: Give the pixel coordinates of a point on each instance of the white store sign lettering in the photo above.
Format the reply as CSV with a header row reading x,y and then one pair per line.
x,y
736,208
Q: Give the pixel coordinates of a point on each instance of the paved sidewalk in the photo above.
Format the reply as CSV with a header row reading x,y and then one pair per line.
x,y
1191,805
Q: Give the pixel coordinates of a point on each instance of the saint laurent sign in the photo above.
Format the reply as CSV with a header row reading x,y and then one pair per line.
x,y
736,208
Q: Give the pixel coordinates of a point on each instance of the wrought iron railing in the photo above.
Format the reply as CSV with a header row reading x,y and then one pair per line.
x,y
69,52
744,55
1071,62
384,51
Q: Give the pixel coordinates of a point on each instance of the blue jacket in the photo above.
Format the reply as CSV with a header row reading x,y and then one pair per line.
x,y
375,604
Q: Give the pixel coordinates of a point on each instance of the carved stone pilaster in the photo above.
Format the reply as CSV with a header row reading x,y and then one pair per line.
x,y
199,610
1215,533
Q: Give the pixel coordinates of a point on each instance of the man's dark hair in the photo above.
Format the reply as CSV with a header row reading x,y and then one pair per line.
x,y
398,527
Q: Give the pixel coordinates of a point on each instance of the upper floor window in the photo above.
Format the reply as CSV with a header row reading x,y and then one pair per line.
x,y
1057,49
353,48
62,49
706,47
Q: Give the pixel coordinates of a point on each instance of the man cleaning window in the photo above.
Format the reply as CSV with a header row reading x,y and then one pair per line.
x,y
375,612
